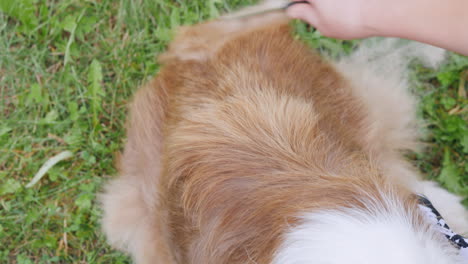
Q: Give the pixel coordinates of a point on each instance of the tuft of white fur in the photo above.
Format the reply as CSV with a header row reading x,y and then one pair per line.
x,y
126,221
392,55
355,236
379,70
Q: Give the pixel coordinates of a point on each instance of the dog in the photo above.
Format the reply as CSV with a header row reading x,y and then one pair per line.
x,y
248,147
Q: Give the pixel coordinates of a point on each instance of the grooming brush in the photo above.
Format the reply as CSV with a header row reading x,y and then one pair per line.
x,y
266,7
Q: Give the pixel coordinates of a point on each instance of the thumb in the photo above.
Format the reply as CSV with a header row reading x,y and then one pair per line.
x,y
305,12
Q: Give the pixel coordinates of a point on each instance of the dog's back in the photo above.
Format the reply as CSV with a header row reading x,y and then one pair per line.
x,y
246,130
242,130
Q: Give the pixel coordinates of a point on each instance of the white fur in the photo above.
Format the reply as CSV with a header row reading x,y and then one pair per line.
x,y
354,236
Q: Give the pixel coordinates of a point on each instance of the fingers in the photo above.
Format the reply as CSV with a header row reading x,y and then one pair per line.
x,y
304,12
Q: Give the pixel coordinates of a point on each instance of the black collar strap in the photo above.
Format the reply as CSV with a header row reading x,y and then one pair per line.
x,y
434,216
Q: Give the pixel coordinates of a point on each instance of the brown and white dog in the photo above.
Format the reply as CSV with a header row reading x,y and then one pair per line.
x,y
248,147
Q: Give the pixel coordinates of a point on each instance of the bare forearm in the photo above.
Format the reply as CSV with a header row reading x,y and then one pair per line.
x,y
442,23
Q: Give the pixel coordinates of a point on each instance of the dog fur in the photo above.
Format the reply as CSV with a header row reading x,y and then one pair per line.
x,y
247,136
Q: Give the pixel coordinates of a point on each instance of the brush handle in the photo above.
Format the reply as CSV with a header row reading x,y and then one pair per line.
x,y
295,3
266,7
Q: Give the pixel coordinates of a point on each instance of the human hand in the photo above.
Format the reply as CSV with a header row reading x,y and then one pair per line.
x,y
343,19
435,22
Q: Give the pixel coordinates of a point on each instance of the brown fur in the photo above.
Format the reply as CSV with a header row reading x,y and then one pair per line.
x,y
239,133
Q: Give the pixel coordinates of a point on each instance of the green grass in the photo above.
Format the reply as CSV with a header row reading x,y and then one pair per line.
x,y
67,71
